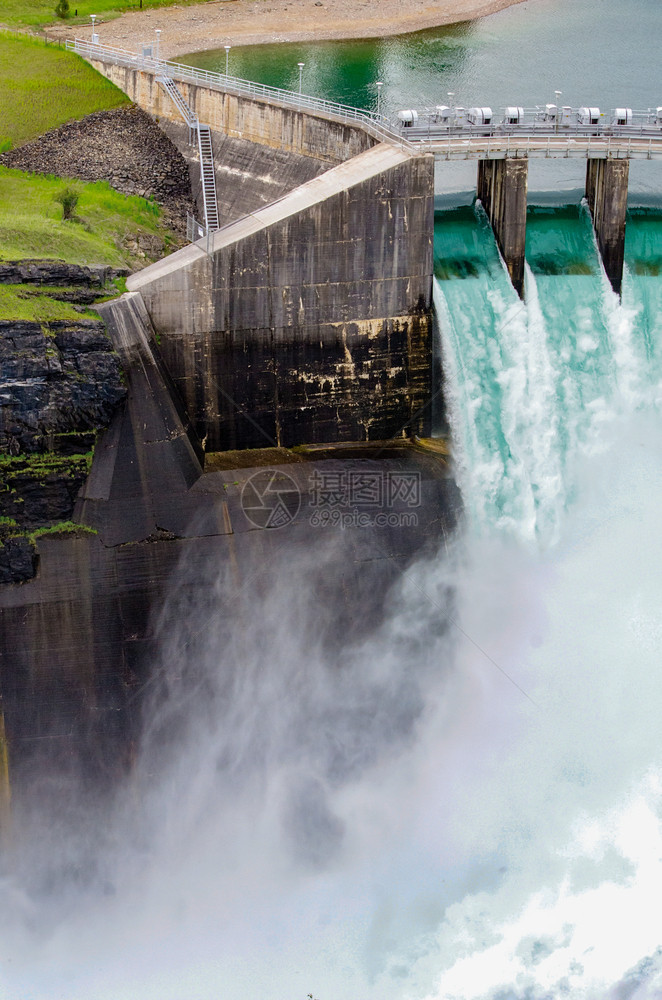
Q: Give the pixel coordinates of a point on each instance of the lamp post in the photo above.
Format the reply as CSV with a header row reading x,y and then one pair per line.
x,y
557,95
379,86
227,58
158,38
95,37
301,65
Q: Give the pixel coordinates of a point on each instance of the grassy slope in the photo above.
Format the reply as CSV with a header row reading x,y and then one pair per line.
x,y
25,302
35,13
31,223
43,86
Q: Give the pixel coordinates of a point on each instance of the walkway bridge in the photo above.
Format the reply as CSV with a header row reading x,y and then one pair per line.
x,y
503,150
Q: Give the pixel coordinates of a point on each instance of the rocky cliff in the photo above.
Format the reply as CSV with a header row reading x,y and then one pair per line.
x,y
59,384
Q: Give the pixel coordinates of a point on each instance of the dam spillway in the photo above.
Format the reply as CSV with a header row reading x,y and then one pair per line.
x,y
301,830
207,311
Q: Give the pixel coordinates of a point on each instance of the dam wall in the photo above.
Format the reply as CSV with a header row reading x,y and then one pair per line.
x,y
239,116
309,321
305,322
83,642
607,196
501,188
248,175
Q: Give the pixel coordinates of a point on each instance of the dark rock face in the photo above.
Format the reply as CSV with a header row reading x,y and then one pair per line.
x,y
56,386
124,147
41,491
57,272
17,560
59,385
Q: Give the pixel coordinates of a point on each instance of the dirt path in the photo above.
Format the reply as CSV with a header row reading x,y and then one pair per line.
x,y
252,22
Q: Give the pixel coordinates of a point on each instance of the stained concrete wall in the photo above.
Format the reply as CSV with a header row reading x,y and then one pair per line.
x,y
309,321
248,174
502,188
268,124
607,196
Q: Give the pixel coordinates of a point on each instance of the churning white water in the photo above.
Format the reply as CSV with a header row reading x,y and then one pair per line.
x,y
467,803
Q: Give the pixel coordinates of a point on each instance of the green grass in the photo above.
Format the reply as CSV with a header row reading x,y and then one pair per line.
x,y
31,223
43,462
25,302
63,528
43,86
11,529
35,13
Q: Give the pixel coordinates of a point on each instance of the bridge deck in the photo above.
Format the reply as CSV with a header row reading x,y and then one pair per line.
x,y
535,146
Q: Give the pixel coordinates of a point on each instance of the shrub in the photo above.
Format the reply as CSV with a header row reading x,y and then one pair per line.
x,y
68,198
62,9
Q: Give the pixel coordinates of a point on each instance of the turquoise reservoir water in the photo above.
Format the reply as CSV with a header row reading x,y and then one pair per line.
x,y
594,51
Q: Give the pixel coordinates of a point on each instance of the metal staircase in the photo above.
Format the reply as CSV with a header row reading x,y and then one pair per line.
x,y
207,175
173,91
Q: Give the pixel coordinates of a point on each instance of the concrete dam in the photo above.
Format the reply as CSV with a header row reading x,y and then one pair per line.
x,y
278,374
282,363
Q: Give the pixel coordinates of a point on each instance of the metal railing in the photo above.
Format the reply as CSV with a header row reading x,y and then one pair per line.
x,y
577,146
465,141
377,125
172,91
194,230
208,178
453,134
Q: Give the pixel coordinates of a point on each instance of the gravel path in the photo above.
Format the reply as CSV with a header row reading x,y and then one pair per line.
x,y
247,22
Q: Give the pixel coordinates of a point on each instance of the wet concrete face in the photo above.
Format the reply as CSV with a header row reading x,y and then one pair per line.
x,y
502,186
80,643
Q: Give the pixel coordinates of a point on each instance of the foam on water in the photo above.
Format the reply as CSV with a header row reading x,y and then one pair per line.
x,y
580,796
533,386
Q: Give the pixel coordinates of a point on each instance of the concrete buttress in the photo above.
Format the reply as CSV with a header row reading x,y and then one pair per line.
x,y
308,321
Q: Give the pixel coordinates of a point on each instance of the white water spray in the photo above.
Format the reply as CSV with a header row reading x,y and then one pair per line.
x,y
464,804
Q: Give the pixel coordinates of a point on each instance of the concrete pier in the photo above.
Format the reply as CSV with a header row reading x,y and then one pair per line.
x,y
502,188
607,196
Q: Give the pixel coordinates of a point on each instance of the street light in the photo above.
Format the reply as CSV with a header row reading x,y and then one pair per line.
x,y
379,86
557,95
227,58
95,37
158,38
300,65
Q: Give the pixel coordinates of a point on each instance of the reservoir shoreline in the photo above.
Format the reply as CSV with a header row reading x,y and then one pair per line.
x,y
246,22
